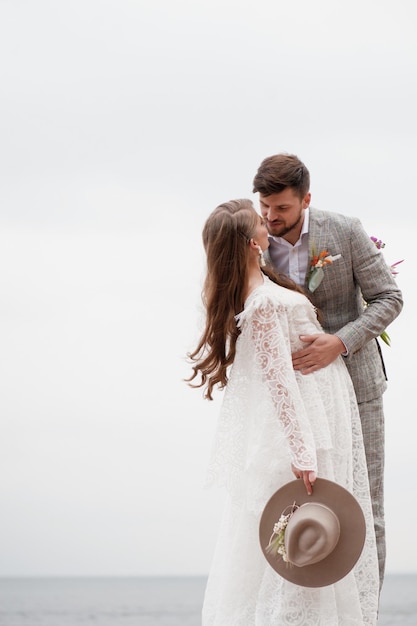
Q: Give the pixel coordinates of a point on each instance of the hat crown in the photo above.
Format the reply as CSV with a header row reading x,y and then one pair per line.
x,y
312,534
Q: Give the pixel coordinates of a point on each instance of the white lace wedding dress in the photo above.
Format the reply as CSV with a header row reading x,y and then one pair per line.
x,y
273,416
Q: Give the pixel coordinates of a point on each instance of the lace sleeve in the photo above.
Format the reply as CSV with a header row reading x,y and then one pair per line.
x,y
270,335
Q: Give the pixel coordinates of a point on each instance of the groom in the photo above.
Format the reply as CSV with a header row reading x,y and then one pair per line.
x,y
357,273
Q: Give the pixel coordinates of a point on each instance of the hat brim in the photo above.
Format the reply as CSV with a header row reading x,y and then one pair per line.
x,y
352,532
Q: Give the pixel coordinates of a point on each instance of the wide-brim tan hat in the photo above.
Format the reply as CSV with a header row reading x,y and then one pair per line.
x,y
329,538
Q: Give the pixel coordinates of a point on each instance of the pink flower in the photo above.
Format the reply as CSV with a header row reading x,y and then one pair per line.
x,y
378,242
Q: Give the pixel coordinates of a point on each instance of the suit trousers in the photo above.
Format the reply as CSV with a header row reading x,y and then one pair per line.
x,y
373,429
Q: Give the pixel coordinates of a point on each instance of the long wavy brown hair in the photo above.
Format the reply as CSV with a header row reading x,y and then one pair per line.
x,y
226,235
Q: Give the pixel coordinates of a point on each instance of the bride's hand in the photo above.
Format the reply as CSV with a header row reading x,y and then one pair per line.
x,y
307,476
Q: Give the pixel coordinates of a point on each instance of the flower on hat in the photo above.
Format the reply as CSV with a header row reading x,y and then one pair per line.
x,y
317,264
276,543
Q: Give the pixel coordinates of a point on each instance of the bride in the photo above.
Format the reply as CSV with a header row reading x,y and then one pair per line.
x,y
275,423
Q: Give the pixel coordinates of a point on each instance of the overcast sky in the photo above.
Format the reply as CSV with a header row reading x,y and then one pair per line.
x,y
123,124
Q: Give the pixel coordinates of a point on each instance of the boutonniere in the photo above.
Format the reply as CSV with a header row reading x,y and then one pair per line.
x,y
317,265
380,244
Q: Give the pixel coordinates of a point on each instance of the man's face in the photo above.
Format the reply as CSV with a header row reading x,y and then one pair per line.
x,y
284,213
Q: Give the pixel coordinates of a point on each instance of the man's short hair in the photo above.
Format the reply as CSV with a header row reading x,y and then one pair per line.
x,y
280,171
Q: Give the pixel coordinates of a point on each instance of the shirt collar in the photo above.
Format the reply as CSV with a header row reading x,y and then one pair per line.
x,y
306,222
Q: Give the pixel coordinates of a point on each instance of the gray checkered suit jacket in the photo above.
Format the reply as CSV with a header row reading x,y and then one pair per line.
x,y
360,274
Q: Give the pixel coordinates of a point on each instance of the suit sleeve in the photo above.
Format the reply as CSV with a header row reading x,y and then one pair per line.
x,y
382,298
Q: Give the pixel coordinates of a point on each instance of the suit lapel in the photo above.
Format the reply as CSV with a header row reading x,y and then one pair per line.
x,y
316,237
316,234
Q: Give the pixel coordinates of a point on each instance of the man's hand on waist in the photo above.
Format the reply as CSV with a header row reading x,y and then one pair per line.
x,y
320,350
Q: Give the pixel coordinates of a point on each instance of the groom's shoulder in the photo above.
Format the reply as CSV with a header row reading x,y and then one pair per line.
x,y
332,217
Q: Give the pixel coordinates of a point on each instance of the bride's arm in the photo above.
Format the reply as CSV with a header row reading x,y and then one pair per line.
x,y
273,356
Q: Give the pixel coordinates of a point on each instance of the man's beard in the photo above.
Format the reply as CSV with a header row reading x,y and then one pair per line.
x,y
287,229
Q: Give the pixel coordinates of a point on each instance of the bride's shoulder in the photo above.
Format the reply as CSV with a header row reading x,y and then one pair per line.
x,y
268,295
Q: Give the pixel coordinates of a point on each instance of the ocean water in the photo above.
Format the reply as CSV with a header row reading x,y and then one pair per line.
x,y
158,601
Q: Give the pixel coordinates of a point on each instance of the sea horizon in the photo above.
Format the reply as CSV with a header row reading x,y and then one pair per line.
x,y
147,600
168,575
